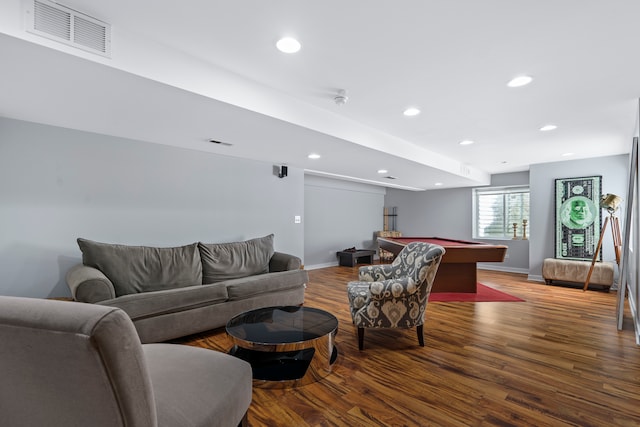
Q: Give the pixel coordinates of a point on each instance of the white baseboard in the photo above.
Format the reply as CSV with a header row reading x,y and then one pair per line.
x,y
317,266
501,268
535,278
480,267
333,264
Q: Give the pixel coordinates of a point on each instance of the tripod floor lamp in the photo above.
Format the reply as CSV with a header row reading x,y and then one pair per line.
x,y
610,202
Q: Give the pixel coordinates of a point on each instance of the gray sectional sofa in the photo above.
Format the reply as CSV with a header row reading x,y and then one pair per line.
x,y
173,292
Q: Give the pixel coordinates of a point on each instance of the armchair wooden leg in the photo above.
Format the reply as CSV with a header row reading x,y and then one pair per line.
x,y
360,338
420,329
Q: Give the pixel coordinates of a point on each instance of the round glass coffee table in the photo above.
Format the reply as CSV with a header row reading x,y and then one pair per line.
x,y
286,346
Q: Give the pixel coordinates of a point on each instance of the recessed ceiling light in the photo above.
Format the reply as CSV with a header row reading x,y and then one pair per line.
x,y
504,162
314,156
382,171
567,154
520,81
546,128
466,142
438,184
288,45
411,111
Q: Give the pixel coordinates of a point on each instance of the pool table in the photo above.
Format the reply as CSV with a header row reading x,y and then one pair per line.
x,y
458,268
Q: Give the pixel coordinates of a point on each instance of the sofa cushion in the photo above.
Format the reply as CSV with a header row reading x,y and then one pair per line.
x,y
273,282
135,269
148,304
224,261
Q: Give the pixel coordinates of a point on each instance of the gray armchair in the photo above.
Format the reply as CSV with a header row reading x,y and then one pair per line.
x,y
76,364
395,295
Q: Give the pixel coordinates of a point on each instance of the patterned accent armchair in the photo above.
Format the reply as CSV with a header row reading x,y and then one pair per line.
x,y
395,295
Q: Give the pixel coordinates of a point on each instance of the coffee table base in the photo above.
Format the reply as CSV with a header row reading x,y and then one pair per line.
x,y
286,346
283,369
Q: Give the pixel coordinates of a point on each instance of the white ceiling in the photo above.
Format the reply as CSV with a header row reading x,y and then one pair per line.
x,y
183,72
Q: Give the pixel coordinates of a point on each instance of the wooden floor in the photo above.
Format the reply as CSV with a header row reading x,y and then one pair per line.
x,y
555,360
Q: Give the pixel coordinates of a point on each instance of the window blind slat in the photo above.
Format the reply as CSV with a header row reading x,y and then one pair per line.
x,y
497,209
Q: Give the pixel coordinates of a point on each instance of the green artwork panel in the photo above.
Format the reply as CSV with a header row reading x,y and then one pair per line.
x,y
578,218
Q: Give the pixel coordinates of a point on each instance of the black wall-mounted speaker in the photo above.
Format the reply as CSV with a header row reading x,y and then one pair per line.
x,y
283,171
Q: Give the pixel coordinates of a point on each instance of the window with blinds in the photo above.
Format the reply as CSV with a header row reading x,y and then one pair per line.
x,y
497,209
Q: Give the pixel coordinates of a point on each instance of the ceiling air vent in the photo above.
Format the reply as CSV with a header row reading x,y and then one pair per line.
x,y
59,23
220,142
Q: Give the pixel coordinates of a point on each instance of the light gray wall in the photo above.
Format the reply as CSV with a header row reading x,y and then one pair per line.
x,y
449,213
443,213
339,215
58,184
614,171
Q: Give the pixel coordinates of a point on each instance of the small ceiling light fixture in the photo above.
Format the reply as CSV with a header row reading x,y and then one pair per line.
x,y
547,128
467,142
567,154
288,45
382,171
314,156
520,81
411,111
341,98
438,184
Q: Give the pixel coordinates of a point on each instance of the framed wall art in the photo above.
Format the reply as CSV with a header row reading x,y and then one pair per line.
x,y
578,217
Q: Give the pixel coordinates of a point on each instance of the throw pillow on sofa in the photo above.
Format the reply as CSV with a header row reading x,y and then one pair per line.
x,y
224,261
135,269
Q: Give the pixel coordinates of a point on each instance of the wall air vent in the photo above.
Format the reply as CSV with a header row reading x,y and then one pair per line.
x,y
390,177
56,22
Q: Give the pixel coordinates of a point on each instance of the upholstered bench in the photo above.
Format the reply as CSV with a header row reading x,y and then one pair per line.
x,y
576,271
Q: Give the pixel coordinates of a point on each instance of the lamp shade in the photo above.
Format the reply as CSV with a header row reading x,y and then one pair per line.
x,y
610,202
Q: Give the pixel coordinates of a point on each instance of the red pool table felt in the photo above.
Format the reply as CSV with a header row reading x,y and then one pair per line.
x,y
458,268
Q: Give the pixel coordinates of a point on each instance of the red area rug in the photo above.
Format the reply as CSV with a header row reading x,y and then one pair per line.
x,y
483,294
